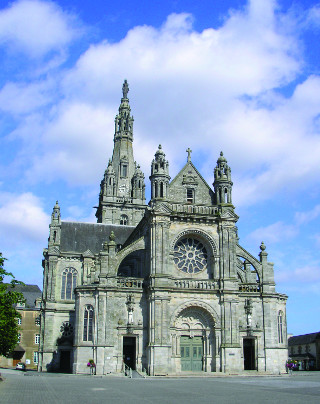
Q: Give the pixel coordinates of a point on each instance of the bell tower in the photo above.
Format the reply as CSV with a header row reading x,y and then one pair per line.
x,y
122,189
222,182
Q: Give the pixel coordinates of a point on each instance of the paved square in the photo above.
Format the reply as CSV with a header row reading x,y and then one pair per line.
x,y
32,387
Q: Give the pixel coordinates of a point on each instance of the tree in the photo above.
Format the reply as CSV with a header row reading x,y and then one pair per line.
x,y
8,314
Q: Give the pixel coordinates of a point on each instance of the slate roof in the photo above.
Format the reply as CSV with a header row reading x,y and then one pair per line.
x,y
303,339
80,237
30,293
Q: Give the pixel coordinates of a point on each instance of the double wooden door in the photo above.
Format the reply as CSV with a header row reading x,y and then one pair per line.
x,y
191,354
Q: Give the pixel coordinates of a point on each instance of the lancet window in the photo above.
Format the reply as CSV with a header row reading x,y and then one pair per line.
x,y
88,323
69,282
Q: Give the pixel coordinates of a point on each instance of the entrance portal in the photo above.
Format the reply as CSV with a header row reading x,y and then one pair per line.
x,y
191,354
129,352
249,354
65,361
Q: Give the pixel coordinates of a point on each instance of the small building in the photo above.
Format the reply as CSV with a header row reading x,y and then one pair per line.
x,y
306,350
29,329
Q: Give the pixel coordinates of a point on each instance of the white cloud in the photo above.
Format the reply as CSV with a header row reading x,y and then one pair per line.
x,y
304,274
309,216
23,98
212,90
36,27
273,233
22,217
74,145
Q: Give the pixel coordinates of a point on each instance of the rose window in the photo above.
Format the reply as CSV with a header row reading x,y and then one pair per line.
x,y
190,256
66,329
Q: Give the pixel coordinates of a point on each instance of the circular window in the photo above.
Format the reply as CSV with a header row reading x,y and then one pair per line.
x,y
66,329
190,256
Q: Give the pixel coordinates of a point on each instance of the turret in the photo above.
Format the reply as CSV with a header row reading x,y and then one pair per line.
x,y
138,186
55,226
222,182
159,175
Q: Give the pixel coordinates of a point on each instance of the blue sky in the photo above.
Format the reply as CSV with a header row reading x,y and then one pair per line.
x,y
237,76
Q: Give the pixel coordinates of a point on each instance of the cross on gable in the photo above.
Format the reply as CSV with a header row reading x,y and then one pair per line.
x,y
189,151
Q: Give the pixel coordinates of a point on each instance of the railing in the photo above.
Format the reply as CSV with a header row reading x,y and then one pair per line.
x,y
130,283
192,284
249,287
202,210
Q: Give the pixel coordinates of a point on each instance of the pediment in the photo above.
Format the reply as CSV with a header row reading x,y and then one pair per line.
x,y
88,253
162,207
229,215
54,250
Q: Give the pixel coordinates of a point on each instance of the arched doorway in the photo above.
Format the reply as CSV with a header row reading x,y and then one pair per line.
x,y
194,340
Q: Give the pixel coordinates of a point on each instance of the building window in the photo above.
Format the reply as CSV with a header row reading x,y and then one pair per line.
x,y
37,339
124,170
124,220
19,321
307,348
35,357
69,282
37,320
88,323
280,327
19,338
190,256
299,349
190,195
292,350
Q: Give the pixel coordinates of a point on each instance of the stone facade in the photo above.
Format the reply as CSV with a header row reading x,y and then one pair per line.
x,y
164,288
26,350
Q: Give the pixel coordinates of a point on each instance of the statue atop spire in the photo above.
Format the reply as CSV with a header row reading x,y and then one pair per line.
x,y
125,89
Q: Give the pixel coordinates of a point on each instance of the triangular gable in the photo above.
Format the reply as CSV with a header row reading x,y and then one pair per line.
x,y
229,214
189,177
180,173
88,253
162,207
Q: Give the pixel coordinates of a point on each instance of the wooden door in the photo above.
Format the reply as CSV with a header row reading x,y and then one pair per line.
x,y
191,354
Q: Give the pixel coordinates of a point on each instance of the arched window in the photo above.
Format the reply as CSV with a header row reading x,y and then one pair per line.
x,y
161,189
280,327
225,195
88,323
124,220
69,282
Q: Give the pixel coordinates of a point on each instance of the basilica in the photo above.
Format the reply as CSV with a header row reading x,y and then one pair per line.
x,y
163,288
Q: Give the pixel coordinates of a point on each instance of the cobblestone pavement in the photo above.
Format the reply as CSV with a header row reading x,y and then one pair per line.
x,y
31,387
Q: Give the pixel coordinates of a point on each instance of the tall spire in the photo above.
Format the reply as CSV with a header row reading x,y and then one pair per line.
x,y
122,190
124,121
